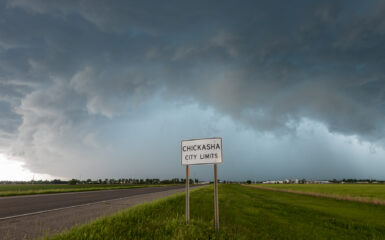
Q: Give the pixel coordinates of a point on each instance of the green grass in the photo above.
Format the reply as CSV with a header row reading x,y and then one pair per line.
x,y
245,213
24,189
365,191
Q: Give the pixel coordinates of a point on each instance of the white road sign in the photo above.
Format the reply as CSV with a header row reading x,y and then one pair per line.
x,y
201,151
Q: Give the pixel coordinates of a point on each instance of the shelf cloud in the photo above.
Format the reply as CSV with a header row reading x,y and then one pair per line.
x,y
117,85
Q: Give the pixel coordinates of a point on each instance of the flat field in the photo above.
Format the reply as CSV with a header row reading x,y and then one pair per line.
x,y
358,191
24,189
245,213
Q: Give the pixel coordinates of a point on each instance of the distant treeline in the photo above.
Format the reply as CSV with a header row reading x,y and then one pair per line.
x,y
107,181
150,181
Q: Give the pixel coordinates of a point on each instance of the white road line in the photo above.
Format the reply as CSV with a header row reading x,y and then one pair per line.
x,y
80,205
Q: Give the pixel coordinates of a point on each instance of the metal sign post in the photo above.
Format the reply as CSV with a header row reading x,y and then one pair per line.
x,y
202,151
187,195
216,209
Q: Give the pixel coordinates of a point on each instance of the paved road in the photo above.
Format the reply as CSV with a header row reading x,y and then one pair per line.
x,y
29,217
20,205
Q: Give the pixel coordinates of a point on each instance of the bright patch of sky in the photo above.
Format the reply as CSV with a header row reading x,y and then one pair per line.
x,y
12,170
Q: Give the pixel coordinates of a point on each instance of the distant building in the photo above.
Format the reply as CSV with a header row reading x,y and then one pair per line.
x,y
320,182
272,182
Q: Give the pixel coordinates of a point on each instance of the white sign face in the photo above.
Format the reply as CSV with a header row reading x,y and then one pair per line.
x,y
201,151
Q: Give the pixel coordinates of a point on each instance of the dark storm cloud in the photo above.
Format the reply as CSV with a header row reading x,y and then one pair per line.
x,y
65,66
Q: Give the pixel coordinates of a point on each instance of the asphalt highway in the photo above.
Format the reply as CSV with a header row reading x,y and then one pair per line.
x,y
31,204
36,216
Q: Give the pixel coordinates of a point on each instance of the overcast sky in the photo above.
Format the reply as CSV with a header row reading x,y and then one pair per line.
x,y
98,89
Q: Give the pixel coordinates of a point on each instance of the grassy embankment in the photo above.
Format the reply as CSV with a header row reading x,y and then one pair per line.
x,y
245,213
364,192
25,189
